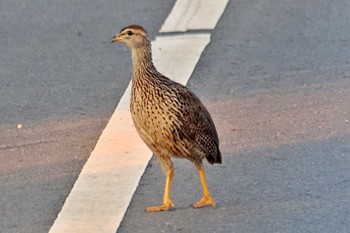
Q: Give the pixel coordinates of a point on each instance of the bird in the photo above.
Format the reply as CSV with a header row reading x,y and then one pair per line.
x,y
170,119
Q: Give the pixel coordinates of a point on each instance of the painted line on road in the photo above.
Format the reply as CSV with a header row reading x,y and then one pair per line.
x,y
194,15
108,180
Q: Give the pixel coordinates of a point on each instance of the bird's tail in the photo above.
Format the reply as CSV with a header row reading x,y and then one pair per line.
x,y
215,157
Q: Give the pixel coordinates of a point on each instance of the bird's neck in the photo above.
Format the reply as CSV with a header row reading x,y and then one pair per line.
x,y
142,59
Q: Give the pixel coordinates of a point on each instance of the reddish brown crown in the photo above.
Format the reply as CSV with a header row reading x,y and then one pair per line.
x,y
135,27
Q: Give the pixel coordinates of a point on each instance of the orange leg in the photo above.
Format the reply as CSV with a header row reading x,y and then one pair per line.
x,y
166,200
206,199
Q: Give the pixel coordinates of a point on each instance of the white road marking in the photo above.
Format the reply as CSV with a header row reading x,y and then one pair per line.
x,y
172,52
107,182
194,15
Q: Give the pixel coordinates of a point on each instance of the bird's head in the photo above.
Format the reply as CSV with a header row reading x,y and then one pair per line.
x,y
133,36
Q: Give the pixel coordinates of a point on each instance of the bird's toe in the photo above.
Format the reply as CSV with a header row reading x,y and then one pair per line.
x,y
205,201
164,207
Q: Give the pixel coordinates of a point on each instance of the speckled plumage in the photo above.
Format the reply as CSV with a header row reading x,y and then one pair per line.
x,y
169,117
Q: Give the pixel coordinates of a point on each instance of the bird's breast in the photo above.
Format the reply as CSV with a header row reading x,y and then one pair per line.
x,y
153,117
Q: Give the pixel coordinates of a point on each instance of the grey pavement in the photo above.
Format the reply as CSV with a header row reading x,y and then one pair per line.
x,y
61,78
275,78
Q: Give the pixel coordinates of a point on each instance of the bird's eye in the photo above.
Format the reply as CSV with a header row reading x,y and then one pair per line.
x,y
129,33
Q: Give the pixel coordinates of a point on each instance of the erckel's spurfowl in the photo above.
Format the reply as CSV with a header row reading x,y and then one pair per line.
x,y
169,118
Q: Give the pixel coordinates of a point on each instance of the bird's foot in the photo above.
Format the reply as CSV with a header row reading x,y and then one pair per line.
x,y
206,200
164,207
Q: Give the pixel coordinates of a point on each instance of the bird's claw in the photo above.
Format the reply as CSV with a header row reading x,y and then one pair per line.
x,y
164,207
206,200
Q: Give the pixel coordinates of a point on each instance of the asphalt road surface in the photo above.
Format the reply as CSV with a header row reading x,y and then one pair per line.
x,y
61,78
276,78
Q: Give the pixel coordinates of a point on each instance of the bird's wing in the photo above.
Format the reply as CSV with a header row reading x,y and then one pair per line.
x,y
197,124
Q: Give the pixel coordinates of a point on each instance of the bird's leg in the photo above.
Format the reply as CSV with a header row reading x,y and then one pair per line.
x,y
206,199
166,200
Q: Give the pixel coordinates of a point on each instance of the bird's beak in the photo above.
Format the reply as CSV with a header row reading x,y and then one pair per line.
x,y
117,38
